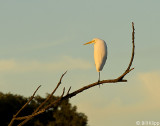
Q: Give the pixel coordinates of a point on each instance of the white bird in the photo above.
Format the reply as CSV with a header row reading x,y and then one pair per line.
x,y
100,53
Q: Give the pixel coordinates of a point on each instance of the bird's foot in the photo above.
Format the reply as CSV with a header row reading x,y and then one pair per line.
x,y
98,83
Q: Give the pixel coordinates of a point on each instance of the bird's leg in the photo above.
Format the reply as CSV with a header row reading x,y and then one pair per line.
x,y
99,79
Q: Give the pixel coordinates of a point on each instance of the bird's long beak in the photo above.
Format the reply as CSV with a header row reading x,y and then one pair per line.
x,y
89,42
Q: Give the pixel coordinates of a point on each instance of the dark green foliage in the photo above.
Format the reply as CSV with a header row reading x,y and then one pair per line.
x,y
63,115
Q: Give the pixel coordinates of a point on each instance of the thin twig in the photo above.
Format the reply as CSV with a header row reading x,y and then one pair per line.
x,y
68,90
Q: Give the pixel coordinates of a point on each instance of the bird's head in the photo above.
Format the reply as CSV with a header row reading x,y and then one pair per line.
x,y
93,41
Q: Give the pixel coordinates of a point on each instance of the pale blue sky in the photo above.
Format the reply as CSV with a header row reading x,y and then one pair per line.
x,y
42,39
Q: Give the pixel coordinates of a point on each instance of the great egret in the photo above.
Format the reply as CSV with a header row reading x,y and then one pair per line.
x,y
100,53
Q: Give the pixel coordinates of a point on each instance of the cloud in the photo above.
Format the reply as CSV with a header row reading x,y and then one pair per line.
x,y
6,65
64,63
151,84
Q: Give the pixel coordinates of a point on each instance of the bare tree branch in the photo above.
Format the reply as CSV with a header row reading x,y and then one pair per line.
x,y
29,117
42,107
14,116
48,98
42,110
132,57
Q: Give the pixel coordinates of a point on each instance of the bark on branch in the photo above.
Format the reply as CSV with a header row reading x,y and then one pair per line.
x,y
42,107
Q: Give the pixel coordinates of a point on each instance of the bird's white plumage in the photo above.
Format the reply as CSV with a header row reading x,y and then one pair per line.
x,y
100,53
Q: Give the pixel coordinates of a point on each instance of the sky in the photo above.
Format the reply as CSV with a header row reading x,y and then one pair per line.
x,y
40,40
